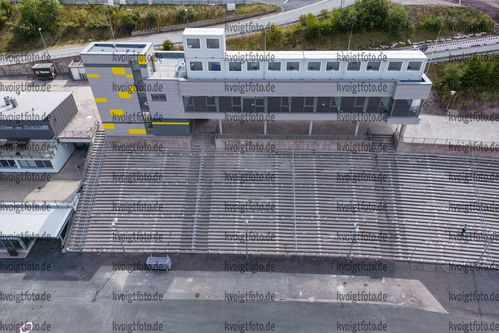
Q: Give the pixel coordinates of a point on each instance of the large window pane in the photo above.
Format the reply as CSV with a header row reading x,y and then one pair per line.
x,y
193,43
214,66
196,65
332,66
253,66
373,66
274,66
234,66
414,66
212,43
353,66
292,66
395,66
314,66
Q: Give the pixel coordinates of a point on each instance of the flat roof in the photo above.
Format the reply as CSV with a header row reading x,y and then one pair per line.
x,y
121,47
43,65
203,31
334,55
47,224
31,104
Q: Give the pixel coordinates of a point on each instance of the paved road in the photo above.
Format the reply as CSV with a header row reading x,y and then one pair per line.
x,y
89,293
292,11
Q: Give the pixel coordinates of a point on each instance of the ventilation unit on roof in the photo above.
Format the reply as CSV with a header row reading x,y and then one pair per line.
x,y
13,102
6,99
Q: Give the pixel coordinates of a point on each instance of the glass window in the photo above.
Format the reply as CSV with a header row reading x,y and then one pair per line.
x,y
401,108
39,164
158,97
353,66
414,66
196,66
275,66
332,66
193,43
292,66
314,66
395,66
234,66
212,43
48,164
373,66
214,66
253,66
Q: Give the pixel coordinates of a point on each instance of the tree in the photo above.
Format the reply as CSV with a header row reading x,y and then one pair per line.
x,y
36,14
313,29
5,12
167,45
474,72
398,19
452,76
371,14
275,33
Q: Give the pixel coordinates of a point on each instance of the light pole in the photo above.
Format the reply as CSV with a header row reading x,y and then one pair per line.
x,y
452,92
43,40
186,17
119,237
356,225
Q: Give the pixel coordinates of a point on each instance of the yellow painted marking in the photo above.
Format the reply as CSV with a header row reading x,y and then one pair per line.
x,y
119,71
116,112
136,131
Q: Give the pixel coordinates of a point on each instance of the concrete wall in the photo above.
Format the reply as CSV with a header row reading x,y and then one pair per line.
x,y
64,151
120,143
61,66
198,23
269,145
442,149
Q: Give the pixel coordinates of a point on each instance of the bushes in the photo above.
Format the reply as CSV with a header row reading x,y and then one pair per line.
x,y
191,14
5,12
36,14
167,45
476,74
398,19
96,22
372,15
275,34
365,15
432,23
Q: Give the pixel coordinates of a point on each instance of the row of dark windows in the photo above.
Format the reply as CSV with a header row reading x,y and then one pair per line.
x,y
236,104
26,164
312,66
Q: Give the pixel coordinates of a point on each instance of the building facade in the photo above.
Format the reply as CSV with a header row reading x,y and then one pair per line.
x,y
140,91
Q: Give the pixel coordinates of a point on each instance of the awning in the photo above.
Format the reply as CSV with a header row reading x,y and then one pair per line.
x,y
40,224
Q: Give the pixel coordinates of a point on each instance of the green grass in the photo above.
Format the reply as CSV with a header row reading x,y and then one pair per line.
x,y
76,19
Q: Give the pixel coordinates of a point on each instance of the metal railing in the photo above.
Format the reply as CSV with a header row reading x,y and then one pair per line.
x,y
79,134
441,141
291,137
